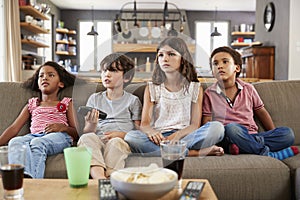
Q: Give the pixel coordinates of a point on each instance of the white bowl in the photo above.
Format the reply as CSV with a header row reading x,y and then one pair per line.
x,y
155,188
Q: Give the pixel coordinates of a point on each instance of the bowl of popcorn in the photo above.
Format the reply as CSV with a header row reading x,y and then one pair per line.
x,y
145,183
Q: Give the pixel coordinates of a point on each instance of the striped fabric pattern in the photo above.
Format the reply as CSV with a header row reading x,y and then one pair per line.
x,y
41,116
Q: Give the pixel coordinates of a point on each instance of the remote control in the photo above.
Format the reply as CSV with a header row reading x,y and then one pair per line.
x,y
192,190
83,110
106,190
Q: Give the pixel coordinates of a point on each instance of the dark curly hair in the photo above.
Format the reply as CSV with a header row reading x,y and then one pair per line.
x,y
64,76
186,69
120,62
236,56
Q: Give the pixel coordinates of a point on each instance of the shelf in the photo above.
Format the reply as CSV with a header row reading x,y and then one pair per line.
x,y
65,53
34,43
240,44
33,28
71,43
144,48
62,42
65,31
33,12
243,33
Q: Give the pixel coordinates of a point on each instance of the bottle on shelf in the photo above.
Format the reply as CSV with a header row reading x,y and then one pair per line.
x,y
148,65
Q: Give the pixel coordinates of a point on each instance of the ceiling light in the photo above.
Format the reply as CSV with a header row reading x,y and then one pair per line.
x,y
215,33
93,31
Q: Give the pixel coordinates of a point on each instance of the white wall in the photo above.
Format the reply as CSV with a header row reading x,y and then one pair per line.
x,y
294,41
2,43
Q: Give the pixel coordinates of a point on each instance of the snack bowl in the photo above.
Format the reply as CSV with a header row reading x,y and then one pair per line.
x,y
143,182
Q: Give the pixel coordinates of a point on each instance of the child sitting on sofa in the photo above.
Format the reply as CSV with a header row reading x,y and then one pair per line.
x,y
52,120
234,103
172,106
123,110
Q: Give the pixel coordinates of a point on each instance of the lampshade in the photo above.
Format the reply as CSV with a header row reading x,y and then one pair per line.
x,y
93,31
215,33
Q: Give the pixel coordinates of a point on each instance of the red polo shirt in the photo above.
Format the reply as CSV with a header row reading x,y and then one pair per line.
x,y
242,109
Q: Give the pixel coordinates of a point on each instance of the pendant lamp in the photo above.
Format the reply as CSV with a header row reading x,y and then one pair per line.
x,y
215,33
93,31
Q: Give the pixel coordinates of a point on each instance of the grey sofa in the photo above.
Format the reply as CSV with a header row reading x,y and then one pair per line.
x,y
239,177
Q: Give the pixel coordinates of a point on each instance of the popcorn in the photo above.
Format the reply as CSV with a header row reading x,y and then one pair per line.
x,y
144,175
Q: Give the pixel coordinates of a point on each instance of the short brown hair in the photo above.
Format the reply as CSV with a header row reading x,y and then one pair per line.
x,y
236,56
121,62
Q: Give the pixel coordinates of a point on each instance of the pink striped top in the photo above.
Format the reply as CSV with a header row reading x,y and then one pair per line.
x,y
41,116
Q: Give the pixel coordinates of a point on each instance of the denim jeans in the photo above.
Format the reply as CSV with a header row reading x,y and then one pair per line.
x,y
206,136
39,147
259,143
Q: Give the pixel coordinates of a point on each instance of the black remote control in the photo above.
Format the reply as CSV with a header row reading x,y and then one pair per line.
x,y
106,190
83,110
192,190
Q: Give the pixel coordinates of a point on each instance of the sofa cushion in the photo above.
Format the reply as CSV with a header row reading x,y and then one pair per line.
x,y
56,167
283,106
234,176
297,184
13,99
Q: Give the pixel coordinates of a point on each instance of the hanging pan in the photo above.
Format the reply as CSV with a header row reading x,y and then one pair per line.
x,y
126,33
172,32
155,32
144,30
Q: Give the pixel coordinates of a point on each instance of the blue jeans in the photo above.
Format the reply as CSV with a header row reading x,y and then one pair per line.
x,y
259,143
39,147
206,136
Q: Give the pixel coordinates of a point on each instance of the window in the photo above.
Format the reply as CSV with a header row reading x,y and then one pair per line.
x,y
205,44
94,48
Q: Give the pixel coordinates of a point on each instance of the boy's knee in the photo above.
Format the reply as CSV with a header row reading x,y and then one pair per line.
x,y
87,137
118,143
289,134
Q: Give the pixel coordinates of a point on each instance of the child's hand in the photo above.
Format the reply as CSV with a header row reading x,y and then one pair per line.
x,y
156,138
173,136
92,117
91,120
57,127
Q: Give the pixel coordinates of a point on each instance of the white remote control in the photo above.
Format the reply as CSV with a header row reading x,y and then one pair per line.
x,y
192,190
106,190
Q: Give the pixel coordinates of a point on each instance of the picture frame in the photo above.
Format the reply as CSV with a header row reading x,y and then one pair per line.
x,y
269,16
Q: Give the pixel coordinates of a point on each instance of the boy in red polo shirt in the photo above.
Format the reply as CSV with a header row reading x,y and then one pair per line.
x,y
234,103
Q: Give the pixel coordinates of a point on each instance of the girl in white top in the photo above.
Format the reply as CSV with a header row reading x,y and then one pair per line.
x,y
172,106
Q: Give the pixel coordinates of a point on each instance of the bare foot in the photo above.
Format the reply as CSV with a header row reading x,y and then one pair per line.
x,y
97,172
210,151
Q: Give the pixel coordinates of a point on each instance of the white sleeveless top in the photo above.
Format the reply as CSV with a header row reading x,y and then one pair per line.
x,y
172,110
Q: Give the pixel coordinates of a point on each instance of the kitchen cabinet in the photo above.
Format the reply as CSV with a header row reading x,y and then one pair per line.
x,y
259,62
65,42
241,39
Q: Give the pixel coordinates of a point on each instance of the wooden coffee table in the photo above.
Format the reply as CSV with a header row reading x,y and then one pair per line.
x,y
59,189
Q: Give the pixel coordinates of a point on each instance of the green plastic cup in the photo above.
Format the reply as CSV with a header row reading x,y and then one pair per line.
x,y
78,160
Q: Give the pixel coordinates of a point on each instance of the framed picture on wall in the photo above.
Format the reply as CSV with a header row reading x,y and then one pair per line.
x,y
269,16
